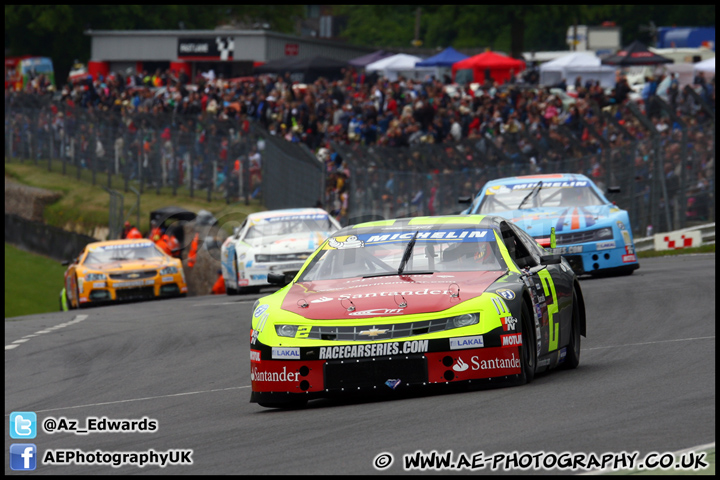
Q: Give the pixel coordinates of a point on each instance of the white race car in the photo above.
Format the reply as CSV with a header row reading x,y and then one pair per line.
x,y
277,241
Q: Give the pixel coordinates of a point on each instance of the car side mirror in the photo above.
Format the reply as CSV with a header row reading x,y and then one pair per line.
x,y
533,270
550,259
277,279
464,199
614,189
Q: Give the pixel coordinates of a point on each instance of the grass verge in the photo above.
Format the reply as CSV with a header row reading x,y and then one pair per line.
x,y
32,283
84,206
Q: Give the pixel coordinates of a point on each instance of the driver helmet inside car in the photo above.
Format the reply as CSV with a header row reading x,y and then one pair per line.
x,y
572,196
464,251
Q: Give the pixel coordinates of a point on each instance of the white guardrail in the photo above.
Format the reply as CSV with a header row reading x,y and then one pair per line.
x,y
685,238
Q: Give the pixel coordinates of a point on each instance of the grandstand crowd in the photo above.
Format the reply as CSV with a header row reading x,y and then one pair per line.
x,y
373,111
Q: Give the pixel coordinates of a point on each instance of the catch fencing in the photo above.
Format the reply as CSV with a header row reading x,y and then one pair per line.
x,y
664,167
204,156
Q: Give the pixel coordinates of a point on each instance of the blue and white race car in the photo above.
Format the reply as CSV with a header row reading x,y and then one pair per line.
x,y
276,241
591,232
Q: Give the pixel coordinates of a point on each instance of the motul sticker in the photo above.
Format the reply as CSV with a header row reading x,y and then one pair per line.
x,y
629,258
512,340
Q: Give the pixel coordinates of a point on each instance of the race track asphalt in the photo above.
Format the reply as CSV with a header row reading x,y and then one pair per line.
x,y
646,383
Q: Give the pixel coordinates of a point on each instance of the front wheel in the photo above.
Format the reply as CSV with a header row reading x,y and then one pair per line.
x,y
77,295
572,359
245,290
228,290
528,353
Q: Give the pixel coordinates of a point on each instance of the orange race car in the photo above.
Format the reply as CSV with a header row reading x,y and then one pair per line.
x,y
118,270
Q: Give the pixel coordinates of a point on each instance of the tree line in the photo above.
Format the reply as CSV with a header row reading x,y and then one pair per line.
x,y
57,31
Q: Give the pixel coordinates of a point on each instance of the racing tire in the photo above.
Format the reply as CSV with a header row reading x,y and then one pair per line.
x,y
625,272
528,354
244,290
228,290
78,305
572,358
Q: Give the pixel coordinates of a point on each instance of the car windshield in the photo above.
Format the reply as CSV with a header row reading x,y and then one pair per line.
x,y
289,224
381,253
509,197
130,251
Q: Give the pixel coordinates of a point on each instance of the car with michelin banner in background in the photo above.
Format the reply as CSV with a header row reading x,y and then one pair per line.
x,y
119,270
592,233
277,241
394,305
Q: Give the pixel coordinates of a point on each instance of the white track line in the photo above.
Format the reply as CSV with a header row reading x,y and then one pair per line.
x,y
651,343
16,343
138,399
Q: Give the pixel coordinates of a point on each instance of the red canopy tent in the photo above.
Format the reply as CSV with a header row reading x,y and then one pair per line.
x,y
499,67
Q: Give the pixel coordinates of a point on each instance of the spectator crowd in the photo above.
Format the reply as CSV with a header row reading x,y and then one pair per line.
x,y
518,124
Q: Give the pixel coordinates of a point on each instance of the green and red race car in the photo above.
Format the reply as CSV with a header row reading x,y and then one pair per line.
x,y
387,306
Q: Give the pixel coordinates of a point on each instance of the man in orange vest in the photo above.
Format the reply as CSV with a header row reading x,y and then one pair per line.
x,y
193,251
126,230
219,287
155,232
163,244
174,246
134,233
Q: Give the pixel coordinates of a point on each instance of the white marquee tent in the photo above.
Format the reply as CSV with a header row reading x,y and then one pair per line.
x,y
585,65
706,65
400,64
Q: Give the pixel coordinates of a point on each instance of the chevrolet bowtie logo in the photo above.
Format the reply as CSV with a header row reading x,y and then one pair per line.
x,y
133,275
373,332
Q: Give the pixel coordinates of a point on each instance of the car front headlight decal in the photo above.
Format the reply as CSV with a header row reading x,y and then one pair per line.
x,y
92,277
169,271
286,330
604,233
360,333
464,320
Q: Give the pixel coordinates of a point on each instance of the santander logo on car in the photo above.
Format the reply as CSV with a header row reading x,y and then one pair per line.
x,y
383,296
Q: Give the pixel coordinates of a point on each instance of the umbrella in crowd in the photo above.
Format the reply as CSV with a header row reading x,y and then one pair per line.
x,y
485,66
370,58
635,54
310,68
446,58
706,66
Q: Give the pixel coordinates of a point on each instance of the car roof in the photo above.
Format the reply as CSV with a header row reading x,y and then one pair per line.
x,y
285,212
549,177
120,242
455,221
